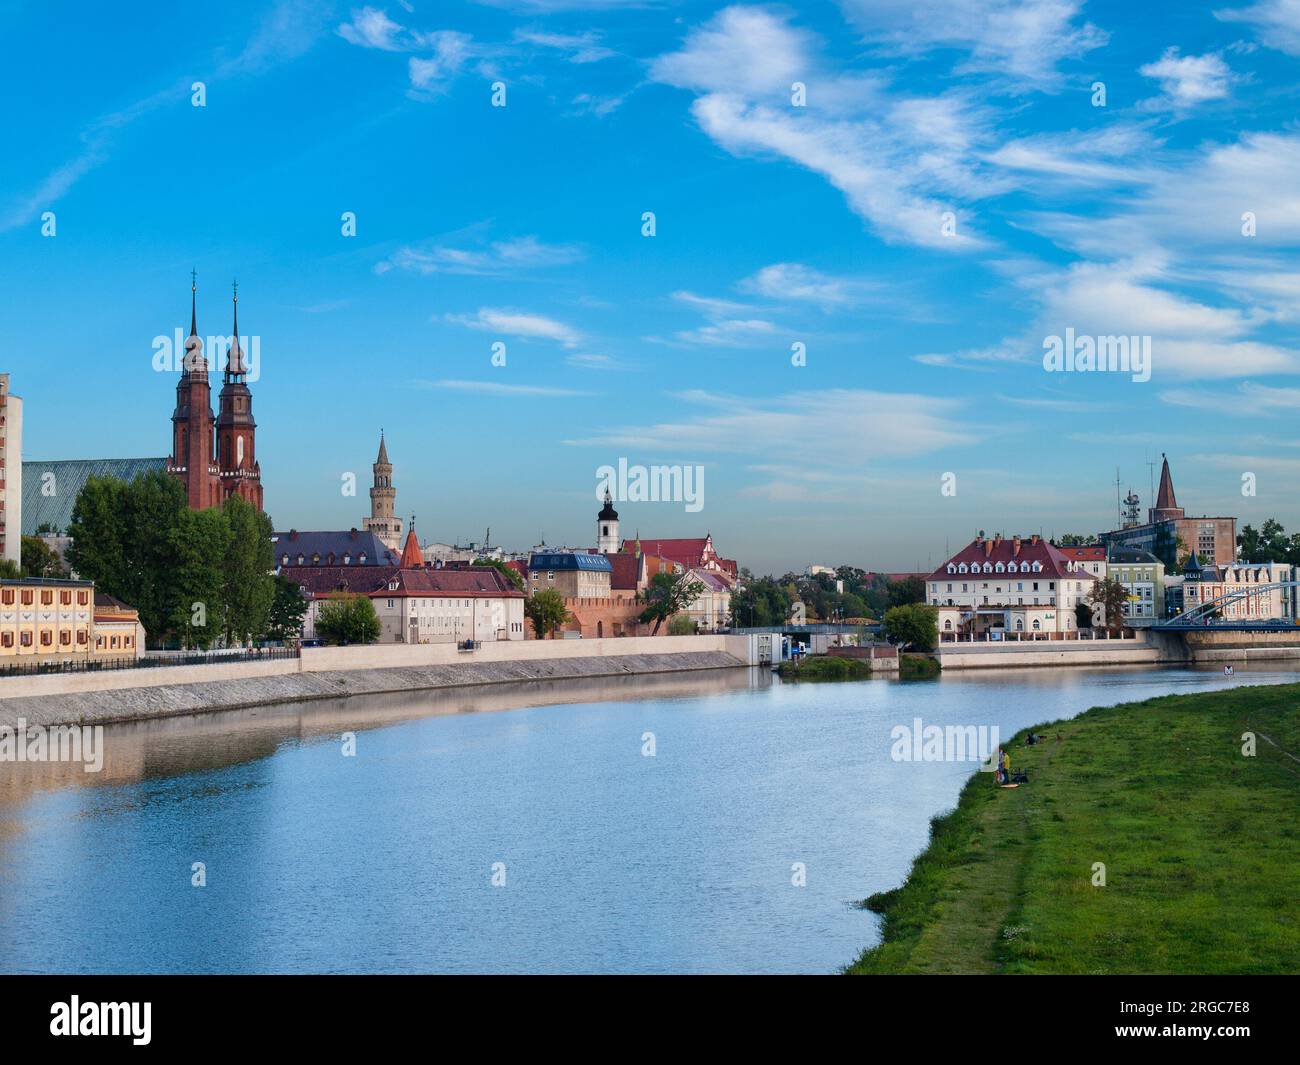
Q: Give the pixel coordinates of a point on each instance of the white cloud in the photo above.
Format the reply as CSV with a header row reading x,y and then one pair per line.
x,y
580,48
795,426
1188,80
499,257
1023,40
372,28
1276,22
494,388
797,282
514,323
900,162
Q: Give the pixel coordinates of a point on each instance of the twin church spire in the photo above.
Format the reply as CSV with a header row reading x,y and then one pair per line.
x,y
214,458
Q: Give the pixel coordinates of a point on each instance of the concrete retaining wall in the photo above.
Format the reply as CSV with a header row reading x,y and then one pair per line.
x,y
1048,653
328,673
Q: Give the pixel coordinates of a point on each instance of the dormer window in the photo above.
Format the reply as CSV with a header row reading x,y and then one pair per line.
x,y
952,568
300,558
361,559
961,568
999,568
1037,567
284,560
347,558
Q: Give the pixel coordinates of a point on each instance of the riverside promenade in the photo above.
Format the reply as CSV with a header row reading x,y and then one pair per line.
x,y
331,672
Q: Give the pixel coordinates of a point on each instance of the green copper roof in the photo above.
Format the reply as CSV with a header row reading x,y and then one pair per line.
x,y
51,499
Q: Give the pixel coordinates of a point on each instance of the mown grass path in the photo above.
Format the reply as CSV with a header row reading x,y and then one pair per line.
x,y
1200,846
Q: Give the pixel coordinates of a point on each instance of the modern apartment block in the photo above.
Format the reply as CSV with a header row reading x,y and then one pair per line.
x,y
11,473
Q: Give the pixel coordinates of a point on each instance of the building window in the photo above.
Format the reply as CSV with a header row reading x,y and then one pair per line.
x,y
7,640
65,598
47,638
1037,626
81,636
25,639
8,597
83,598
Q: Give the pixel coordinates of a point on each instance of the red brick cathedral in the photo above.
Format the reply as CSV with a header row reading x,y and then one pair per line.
x,y
214,459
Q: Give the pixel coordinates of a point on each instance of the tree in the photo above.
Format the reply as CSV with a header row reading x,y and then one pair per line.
x,y
248,585
511,574
547,612
913,624
759,602
39,560
1082,615
908,590
288,609
347,617
1111,597
1077,540
681,625
9,569
199,542
97,552
668,594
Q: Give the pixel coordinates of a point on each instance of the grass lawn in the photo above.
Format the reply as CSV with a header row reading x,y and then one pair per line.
x,y
1201,847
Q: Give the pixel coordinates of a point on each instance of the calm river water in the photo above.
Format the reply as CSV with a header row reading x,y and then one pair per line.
x,y
612,861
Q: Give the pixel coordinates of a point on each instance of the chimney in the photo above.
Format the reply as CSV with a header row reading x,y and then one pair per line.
x,y
988,548
1034,539
293,534
1015,547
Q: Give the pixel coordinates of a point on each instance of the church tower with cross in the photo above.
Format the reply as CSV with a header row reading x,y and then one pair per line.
x,y
236,430
214,459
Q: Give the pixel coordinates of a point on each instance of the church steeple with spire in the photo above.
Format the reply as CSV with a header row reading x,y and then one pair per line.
x,y
236,430
1166,508
192,427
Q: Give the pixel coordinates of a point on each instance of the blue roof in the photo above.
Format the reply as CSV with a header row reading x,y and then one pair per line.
x,y
570,560
328,548
49,500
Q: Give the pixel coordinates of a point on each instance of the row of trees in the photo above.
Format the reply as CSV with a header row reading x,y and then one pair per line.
x,y
195,576
1269,543
771,600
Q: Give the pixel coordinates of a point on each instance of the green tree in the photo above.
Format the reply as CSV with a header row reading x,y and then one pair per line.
x,y
288,609
515,578
199,542
547,612
124,538
1111,597
668,594
348,618
97,551
908,590
9,569
248,585
681,625
759,602
913,625
39,560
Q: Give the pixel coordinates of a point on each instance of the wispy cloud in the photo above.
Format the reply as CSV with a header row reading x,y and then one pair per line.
x,y
1190,80
794,425
513,323
496,258
494,388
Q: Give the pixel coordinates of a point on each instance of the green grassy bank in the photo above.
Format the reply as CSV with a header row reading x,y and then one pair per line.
x,y
825,667
1201,847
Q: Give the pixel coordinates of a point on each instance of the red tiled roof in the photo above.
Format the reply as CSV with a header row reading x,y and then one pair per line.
x,y
626,569
319,581
482,581
689,550
1091,553
993,551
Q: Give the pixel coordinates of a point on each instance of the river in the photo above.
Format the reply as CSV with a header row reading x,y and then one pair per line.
x,y
541,838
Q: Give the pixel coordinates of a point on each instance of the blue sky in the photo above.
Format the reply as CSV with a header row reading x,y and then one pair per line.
x,y
776,224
